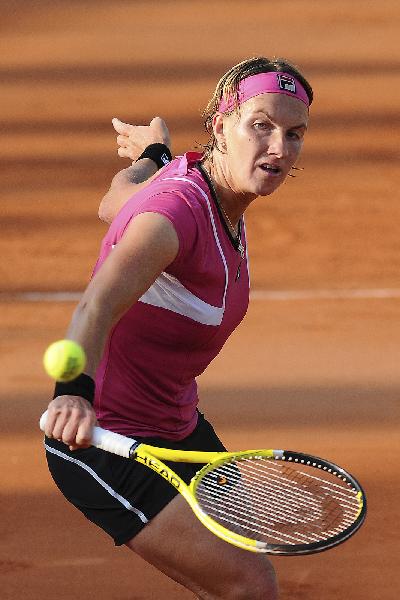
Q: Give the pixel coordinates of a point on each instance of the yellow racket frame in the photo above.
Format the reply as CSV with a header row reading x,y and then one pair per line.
x,y
151,456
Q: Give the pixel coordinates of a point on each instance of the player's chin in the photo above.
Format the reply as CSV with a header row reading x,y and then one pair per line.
x,y
268,187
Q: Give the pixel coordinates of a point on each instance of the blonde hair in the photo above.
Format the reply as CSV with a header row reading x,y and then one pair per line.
x,y
228,86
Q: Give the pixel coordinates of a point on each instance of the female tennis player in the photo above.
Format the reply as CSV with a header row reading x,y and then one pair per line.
x,y
169,287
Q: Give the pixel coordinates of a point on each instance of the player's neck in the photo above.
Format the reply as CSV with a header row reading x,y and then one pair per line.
x,y
232,203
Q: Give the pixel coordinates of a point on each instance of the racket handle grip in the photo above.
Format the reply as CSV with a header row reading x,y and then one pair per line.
x,y
104,439
112,442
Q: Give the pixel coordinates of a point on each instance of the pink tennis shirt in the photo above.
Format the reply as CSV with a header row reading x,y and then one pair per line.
x,y
145,383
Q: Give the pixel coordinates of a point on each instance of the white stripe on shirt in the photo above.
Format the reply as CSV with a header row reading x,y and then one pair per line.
x,y
169,293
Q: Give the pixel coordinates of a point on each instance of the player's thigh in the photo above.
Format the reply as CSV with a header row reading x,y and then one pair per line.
x,y
180,546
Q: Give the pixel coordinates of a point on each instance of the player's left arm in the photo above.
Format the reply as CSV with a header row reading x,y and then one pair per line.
x,y
132,140
149,244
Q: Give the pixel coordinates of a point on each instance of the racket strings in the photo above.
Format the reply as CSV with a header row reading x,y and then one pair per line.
x,y
241,513
290,471
241,519
274,502
263,500
236,517
278,483
299,497
347,496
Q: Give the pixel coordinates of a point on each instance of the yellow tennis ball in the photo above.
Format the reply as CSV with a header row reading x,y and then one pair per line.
x,y
64,360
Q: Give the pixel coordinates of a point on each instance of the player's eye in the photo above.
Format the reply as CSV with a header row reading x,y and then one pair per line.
x,y
294,135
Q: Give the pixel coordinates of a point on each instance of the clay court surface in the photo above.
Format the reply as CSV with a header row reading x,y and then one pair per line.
x,y
313,367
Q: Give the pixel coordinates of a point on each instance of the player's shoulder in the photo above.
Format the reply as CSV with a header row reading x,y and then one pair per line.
x,y
182,176
180,187
179,192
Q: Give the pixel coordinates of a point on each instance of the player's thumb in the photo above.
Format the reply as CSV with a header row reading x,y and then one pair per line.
x,y
158,125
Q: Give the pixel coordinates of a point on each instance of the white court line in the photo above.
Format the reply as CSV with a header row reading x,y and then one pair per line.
x,y
75,562
266,295
327,294
42,296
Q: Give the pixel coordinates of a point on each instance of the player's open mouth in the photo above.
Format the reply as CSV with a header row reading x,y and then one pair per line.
x,y
272,169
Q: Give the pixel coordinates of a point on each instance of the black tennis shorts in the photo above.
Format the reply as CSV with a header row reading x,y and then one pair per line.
x,y
117,494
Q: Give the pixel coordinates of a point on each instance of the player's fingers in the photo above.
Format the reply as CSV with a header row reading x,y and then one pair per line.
x,y
50,422
121,127
83,435
58,413
65,413
124,153
80,418
68,434
67,420
59,426
123,140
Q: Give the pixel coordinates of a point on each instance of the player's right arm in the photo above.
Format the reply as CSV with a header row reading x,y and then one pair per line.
x,y
149,244
132,140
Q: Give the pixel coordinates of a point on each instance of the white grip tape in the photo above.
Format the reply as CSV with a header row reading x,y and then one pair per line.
x,y
42,422
112,442
106,440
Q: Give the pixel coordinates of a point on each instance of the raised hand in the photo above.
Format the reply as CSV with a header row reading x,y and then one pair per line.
x,y
133,139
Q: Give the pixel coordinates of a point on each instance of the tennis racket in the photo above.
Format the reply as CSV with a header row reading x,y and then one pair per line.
x,y
271,501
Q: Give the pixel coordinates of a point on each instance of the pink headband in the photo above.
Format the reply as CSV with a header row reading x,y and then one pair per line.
x,y
265,83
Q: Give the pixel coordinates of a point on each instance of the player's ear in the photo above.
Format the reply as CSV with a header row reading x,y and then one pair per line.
x,y
218,126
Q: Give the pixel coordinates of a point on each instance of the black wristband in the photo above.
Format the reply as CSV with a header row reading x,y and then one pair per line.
x,y
82,386
158,153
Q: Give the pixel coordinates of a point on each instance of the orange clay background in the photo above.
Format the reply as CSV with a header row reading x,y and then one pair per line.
x,y
317,372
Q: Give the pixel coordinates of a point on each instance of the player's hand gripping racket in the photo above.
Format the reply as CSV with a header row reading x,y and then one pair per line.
x,y
273,501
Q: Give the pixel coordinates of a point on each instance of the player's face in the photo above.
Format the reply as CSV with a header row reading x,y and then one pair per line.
x,y
263,142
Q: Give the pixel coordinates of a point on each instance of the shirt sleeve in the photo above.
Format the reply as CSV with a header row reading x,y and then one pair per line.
x,y
180,211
